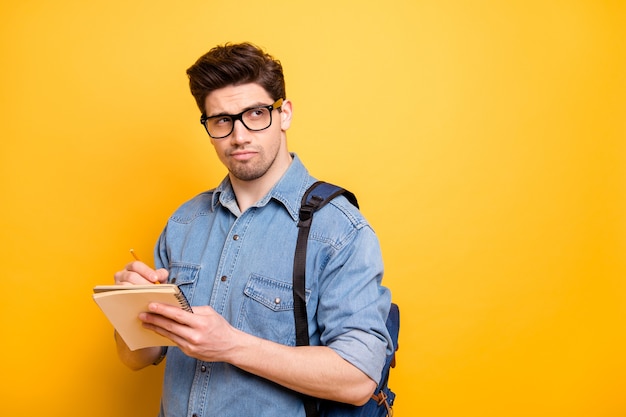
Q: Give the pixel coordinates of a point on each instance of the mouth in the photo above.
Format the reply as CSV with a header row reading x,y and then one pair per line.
x,y
242,155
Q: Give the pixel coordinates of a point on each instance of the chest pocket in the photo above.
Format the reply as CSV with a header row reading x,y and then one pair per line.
x,y
267,310
184,275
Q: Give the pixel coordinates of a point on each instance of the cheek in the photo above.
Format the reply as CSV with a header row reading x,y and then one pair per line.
x,y
219,149
218,144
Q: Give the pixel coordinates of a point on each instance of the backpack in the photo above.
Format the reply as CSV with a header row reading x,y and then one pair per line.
x,y
380,405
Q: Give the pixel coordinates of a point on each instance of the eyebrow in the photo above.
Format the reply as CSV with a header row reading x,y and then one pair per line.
x,y
254,106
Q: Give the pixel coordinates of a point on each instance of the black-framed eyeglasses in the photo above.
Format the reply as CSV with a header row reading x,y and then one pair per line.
x,y
254,119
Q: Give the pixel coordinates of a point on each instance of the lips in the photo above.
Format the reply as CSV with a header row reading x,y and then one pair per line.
x,y
243,155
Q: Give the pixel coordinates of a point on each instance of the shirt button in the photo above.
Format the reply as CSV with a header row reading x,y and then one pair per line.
x,y
223,278
277,300
236,237
203,368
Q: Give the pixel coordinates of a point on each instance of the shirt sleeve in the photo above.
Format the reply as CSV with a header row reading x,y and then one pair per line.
x,y
160,252
353,305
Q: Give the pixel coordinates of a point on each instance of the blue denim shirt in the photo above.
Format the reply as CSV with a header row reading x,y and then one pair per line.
x,y
241,265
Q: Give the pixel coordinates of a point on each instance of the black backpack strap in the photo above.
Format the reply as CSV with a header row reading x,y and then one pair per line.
x,y
393,327
316,197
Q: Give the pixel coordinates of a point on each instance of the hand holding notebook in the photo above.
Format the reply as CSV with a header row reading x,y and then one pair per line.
x,y
122,304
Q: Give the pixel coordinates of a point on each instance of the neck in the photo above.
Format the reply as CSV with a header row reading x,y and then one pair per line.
x,y
250,192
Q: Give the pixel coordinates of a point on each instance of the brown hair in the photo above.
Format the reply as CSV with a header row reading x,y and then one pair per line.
x,y
235,64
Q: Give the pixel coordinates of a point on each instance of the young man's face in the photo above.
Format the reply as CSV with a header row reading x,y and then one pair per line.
x,y
250,155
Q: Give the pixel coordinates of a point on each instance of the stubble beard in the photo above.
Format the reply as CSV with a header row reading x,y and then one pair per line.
x,y
253,169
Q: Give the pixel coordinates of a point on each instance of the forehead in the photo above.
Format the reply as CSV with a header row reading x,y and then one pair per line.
x,y
235,98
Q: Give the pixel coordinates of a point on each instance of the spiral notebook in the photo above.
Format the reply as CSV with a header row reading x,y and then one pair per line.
x,y
122,304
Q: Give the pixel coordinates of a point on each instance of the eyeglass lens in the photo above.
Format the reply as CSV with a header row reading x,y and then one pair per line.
x,y
253,119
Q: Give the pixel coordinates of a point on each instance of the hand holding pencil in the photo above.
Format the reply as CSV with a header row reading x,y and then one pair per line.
x,y
138,273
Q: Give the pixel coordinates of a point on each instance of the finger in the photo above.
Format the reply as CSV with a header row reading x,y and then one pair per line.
x,y
170,312
136,273
162,275
126,277
204,310
144,271
160,325
163,320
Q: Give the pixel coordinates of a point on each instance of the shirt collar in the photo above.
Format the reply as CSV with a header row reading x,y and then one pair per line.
x,y
288,190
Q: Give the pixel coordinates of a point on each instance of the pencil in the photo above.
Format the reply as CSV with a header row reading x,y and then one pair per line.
x,y
132,252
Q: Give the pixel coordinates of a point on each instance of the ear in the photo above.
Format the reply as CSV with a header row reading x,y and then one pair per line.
x,y
285,115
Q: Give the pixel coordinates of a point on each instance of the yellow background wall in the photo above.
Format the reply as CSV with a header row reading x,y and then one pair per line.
x,y
485,140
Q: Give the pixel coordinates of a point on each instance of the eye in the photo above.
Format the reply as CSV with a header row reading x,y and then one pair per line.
x,y
256,113
221,121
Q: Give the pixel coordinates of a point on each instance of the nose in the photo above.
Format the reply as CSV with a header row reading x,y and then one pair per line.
x,y
240,133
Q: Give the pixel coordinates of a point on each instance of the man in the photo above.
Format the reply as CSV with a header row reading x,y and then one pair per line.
x,y
231,249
